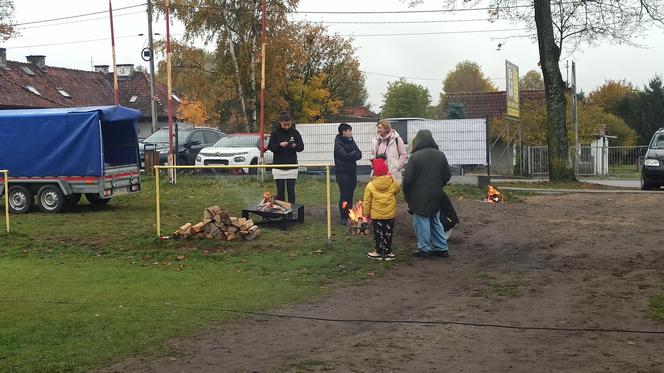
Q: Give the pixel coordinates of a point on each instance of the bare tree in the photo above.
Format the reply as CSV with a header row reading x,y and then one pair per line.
x,y
558,24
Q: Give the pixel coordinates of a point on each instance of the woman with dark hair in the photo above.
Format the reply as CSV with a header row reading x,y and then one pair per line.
x,y
285,143
346,155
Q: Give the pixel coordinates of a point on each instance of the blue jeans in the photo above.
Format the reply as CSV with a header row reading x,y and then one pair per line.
x,y
430,233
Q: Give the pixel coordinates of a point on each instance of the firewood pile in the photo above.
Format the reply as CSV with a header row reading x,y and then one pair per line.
x,y
218,224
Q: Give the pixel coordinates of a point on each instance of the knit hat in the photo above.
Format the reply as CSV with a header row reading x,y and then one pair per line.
x,y
379,167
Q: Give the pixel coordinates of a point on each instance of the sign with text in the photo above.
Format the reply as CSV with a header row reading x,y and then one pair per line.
x,y
512,88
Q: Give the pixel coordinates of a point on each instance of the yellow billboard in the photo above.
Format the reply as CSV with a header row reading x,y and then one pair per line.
x,y
512,88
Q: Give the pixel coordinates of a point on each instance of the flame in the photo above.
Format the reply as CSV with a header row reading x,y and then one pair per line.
x,y
493,195
344,204
355,214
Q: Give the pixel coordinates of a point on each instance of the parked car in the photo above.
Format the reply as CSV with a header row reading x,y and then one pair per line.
x,y
652,173
235,149
190,142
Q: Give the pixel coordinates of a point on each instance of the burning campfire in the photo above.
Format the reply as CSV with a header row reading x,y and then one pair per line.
x,y
493,195
269,204
357,223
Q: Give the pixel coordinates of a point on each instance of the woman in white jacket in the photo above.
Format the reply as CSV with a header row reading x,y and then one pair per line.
x,y
389,145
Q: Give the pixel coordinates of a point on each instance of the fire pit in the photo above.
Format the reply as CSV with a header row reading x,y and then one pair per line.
x,y
494,196
357,224
275,211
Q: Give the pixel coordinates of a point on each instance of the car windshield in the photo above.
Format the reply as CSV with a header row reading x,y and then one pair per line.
x,y
161,137
235,141
657,142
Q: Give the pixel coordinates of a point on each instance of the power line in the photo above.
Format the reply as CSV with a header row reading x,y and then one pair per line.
x,y
397,22
79,21
405,11
356,321
77,15
436,33
73,42
418,78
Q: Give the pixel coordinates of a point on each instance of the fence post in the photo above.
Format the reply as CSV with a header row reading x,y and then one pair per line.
x,y
488,149
6,182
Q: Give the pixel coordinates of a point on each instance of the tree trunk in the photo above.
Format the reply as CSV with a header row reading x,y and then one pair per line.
x,y
560,166
254,91
238,77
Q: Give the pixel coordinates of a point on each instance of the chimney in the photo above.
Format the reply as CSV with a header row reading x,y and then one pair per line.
x,y
3,58
125,70
102,69
37,60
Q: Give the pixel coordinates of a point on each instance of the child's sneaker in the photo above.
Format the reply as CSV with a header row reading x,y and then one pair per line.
x,y
390,256
374,255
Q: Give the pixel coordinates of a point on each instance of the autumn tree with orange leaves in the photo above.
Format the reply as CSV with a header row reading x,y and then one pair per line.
x,y
193,112
308,72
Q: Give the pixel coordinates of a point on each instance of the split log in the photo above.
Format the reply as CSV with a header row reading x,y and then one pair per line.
x,y
210,212
198,227
183,230
231,236
232,229
248,223
252,235
283,204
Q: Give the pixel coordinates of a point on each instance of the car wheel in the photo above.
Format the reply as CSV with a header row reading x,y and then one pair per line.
x,y
645,185
95,200
253,171
51,198
20,199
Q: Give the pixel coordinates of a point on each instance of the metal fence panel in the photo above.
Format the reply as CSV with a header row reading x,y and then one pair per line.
x,y
462,140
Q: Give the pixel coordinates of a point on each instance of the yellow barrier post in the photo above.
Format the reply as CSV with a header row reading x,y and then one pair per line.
x,y
329,213
6,179
156,183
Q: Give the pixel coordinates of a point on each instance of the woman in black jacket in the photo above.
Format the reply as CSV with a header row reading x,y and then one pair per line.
x,y
346,154
285,143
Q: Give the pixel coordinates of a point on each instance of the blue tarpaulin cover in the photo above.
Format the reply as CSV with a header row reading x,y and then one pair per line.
x,y
67,141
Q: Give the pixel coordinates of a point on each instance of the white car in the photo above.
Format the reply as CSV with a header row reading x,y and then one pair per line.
x,y
235,149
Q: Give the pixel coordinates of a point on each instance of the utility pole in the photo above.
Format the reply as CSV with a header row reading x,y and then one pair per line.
x,y
577,149
171,154
115,69
151,46
262,130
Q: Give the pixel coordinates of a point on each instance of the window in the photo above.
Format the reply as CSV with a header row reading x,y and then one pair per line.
x,y
133,99
27,70
33,90
198,136
238,141
175,97
64,93
211,137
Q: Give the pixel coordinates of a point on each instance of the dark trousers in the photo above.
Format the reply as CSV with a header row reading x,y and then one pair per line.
x,y
383,230
347,184
283,184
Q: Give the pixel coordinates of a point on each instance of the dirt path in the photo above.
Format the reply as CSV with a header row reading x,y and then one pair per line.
x,y
578,261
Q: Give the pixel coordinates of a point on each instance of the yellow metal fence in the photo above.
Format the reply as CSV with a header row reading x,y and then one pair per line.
x,y
5,178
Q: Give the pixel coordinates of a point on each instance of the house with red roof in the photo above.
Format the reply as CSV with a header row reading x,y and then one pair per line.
x,y
35,85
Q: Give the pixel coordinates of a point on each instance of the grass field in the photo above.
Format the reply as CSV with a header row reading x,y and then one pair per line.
x,y
86,287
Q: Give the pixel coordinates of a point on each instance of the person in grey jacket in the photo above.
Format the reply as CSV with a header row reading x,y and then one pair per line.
x,y
427,172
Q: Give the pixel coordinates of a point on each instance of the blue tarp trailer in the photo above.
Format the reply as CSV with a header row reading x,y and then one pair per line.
x,y
61,154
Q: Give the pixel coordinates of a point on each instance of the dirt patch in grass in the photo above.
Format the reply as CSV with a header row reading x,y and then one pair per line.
x,y
541,263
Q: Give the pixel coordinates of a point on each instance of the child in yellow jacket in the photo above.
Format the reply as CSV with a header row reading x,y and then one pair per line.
x,y
380,204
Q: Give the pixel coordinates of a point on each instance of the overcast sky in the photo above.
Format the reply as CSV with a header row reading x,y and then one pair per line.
x,y
422,58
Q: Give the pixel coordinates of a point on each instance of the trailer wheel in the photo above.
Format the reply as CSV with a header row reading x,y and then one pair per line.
x,y
95,200
21,199
73,199
51,198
